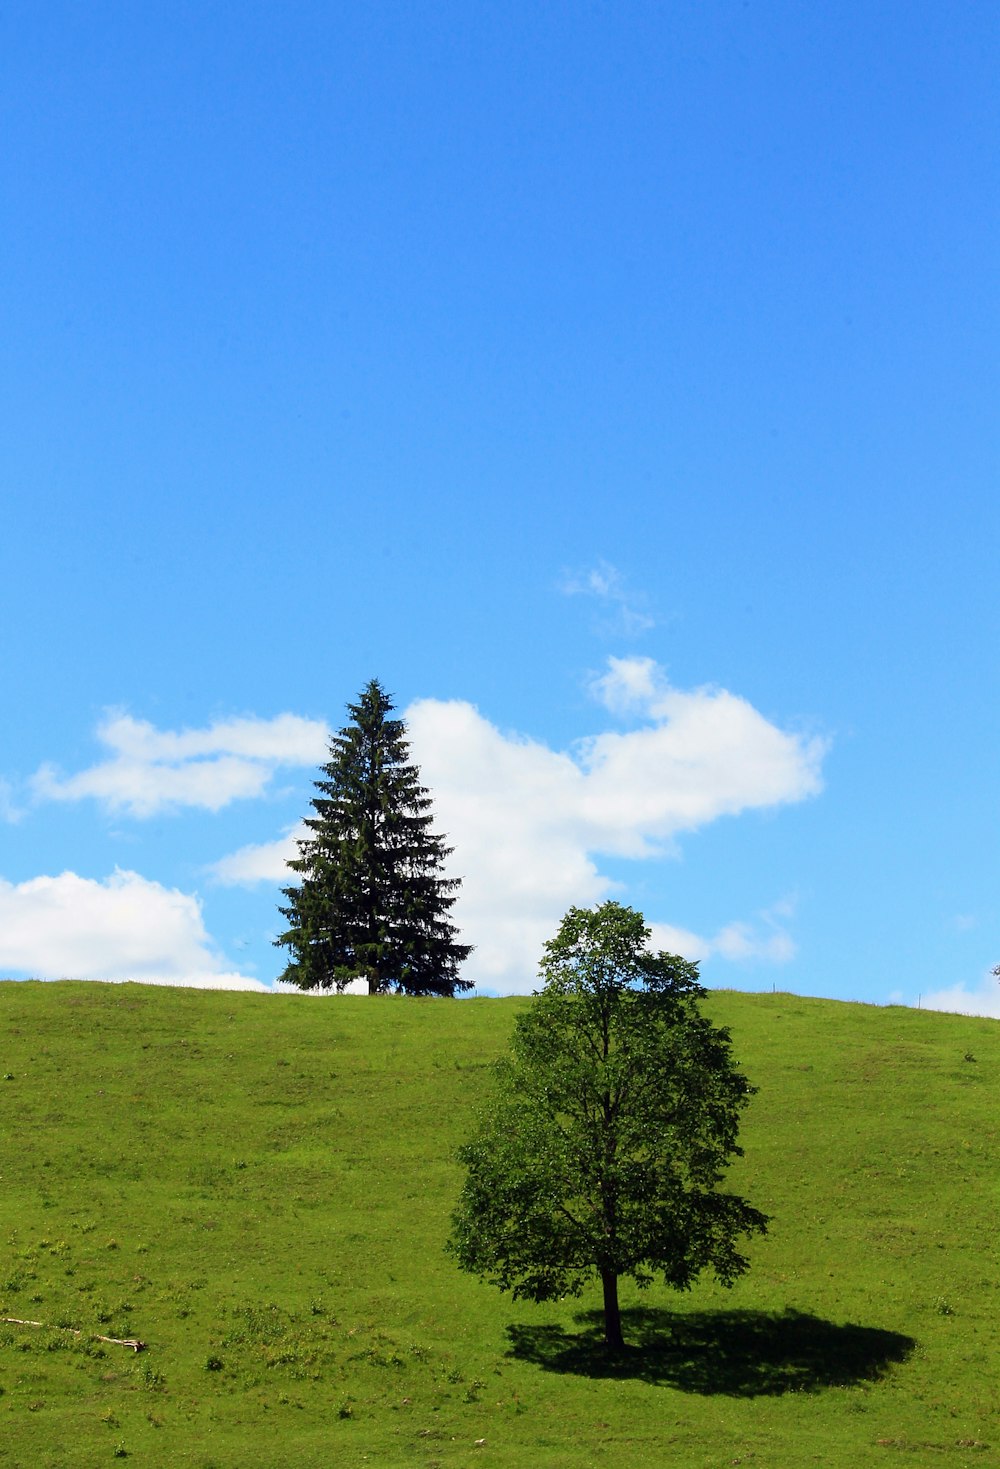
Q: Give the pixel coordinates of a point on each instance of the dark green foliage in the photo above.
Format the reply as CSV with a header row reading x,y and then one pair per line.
x,y
372,903
611,1127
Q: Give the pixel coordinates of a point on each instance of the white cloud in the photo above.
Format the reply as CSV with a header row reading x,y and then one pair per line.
x,y
356,987
625,611
628,684
151,770
706,753
527,821
266,862
739,942
959,999
127,927
9,809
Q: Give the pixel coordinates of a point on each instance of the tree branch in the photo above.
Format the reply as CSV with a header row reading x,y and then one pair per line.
x,y
116,1341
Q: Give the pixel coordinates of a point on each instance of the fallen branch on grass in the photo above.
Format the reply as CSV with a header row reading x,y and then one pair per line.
x,y
116,1341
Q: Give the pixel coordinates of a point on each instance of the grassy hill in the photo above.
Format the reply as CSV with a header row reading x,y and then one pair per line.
x,y
259,1188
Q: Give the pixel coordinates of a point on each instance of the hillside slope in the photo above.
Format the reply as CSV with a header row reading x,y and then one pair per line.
x,y
259,1188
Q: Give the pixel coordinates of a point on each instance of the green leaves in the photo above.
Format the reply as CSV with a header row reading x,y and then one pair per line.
x,y
601,951
610,1127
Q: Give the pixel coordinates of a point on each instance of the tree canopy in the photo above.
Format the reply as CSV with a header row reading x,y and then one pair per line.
x,y
609,1130
373,903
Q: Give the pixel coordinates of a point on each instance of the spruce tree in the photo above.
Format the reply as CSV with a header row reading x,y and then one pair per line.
x,y
372,903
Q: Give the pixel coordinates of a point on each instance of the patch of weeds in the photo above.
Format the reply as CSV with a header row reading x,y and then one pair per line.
x,y
254,1323
346,1409
471,1394
152,1380
214,1364
120,1451
282,1357
383,1359
944,1307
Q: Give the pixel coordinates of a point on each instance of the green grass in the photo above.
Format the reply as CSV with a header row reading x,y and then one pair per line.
x,y
259,1187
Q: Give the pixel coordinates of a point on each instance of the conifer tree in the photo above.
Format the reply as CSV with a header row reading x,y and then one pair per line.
x,y
373,903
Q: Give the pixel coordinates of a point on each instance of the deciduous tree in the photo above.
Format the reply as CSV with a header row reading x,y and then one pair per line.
x,y
612,1122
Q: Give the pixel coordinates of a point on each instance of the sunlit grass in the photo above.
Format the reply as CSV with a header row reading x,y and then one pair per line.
x,y
259,1188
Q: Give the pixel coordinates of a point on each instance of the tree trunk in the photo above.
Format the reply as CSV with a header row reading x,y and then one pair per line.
x,y
613,1338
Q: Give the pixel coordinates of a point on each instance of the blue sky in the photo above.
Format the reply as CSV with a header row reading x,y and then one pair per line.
x,y
617,384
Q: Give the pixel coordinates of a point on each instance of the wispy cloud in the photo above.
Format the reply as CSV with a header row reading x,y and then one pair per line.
x,y
981,998
151,770
10,809
765,940
126,927
528,823
629,684
625,612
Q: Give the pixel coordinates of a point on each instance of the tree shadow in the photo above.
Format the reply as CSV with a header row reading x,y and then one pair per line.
x,y
735,1353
